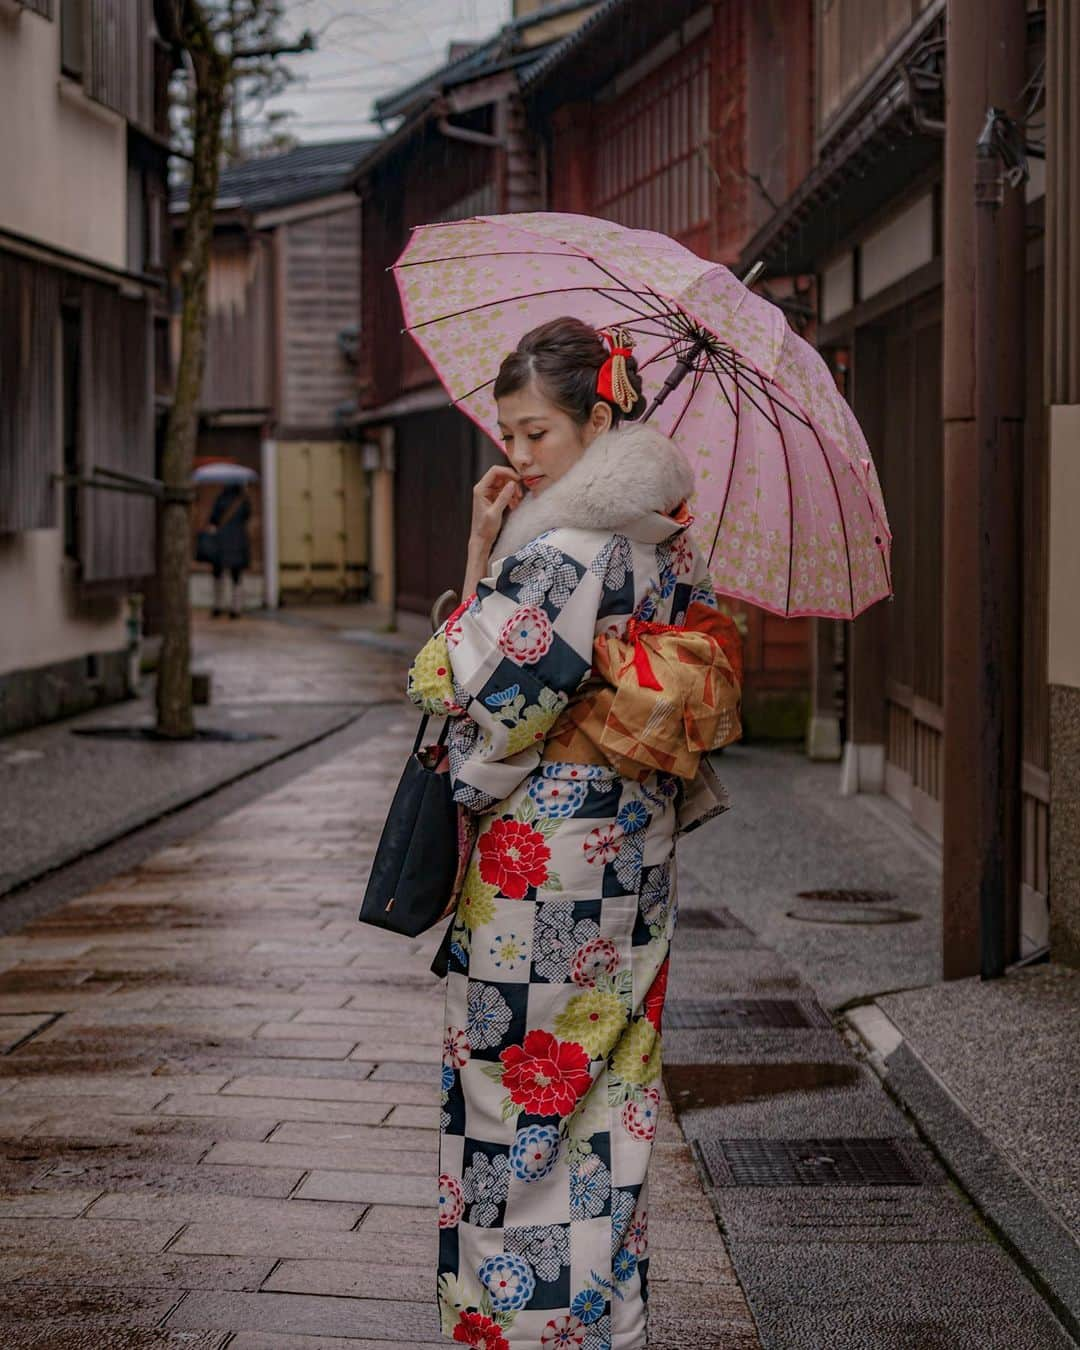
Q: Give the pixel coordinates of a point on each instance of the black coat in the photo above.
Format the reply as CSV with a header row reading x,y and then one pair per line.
x,y
233,543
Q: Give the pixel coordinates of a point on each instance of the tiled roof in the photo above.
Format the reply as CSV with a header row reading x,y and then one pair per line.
x,y
504,50
305,172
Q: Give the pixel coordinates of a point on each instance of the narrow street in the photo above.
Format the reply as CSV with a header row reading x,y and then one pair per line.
x,y
219,1095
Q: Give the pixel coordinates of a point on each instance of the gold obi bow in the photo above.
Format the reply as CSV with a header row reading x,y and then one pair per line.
x,y
668,695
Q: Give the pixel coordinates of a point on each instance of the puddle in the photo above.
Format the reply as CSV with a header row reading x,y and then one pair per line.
x,y
692,1086
820,912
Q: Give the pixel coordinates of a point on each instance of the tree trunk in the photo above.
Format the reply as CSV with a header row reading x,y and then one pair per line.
x,y
212,74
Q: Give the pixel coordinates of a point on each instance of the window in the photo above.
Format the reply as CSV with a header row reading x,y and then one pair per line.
x,y
72,37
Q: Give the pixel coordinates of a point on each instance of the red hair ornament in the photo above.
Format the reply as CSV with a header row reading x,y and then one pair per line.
x,y
613,379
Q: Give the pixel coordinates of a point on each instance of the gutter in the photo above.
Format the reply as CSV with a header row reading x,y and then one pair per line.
x,y
39,251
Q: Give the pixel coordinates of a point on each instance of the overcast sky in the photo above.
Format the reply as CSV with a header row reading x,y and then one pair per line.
x,y
367,48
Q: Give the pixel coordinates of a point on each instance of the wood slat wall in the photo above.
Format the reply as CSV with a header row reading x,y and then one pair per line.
x,y
120,58
116,432
29,393
854,36
239,334
1062,239
321,261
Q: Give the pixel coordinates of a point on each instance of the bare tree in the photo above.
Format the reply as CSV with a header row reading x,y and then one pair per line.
x,y
220,41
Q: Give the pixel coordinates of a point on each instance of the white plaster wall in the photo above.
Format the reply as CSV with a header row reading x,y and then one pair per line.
x,y
63,164
1064,618
898,248
40,619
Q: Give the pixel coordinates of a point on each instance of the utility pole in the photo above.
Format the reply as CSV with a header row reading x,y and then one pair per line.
x,y
984,369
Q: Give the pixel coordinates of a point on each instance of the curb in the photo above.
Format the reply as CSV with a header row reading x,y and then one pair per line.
x,y
1040,1243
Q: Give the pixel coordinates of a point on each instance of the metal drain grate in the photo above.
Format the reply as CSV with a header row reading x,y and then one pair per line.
x,y
848,897
753,1013
807,1162
709,918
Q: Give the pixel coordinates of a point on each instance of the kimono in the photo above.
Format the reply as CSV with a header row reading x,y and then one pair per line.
x,y
559,951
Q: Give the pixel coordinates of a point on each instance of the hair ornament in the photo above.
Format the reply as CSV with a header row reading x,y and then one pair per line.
x,y
613,379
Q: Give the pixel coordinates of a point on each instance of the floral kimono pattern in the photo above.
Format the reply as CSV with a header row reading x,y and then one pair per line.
x,y
559,956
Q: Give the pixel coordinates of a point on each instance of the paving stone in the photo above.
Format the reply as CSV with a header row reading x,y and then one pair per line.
x,y
32,1336
333,1091
120,1175
391,1160
371,1188
92,1238
354,1136
263,1340
104,1129
414,1117
218,1209
47,1205
306,1244
352,1279
310,1315
403,1220
168,1271
84,1304
274,1109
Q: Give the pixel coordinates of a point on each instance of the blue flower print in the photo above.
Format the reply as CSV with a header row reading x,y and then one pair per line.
x,y
590,1187
489,1016
646,611
624,1265
509,952
588,1306
557,798
534,1152
485,1186
509,1280
633,816
447,1078
502,697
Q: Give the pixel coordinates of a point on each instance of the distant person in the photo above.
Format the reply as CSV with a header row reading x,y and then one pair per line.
x,y
229,523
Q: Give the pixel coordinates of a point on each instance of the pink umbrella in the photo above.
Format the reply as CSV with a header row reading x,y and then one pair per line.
x,y
788,508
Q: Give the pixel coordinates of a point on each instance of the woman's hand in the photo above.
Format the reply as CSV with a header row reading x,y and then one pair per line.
x,y
496,493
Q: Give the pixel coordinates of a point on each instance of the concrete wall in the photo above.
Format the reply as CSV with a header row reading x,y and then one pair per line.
x,y
41,622
63,159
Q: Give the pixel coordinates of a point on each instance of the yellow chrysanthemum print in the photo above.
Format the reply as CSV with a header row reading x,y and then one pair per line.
x,y
637,1056
531,729
431,683
594,1020
477,903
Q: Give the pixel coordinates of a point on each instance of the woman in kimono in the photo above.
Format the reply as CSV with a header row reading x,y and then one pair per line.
x,y
577,750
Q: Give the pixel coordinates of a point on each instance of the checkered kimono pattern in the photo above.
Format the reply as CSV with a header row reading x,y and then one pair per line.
x,y
558,967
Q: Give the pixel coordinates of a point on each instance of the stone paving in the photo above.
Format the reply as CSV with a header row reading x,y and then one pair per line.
x,y
218,1102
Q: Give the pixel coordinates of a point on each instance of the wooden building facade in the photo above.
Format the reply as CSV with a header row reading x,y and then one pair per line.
x,y
83,306
280,378
869,220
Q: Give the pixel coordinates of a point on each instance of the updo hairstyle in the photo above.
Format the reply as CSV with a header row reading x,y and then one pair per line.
x,y
564,356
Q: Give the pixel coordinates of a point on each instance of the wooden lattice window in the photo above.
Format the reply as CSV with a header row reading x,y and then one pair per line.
x,y
651,149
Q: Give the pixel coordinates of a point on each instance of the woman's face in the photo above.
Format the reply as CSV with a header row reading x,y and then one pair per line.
x,y
541,440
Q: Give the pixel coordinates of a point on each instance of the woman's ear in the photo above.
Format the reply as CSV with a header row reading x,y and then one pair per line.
x,y
600,420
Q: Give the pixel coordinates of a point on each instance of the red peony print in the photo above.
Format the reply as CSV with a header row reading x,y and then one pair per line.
x,y
513,857
654,999
546,1076
480,1332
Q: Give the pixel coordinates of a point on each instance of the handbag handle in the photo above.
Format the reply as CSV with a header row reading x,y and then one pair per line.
x,y
423,727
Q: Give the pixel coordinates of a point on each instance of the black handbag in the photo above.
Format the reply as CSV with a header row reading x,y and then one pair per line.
x,y
207,547
416,862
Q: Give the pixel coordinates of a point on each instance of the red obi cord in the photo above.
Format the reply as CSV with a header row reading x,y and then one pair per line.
x,y
637,629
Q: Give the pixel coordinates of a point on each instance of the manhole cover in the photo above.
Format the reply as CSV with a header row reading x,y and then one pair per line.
x,y
807,1162
820,912
152,734
839,896
708,918
757,1013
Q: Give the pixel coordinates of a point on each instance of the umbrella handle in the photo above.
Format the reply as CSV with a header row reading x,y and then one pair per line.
x,y
679,372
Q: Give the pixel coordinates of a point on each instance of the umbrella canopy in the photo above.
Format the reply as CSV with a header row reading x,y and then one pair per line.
x,y
224,471
788,508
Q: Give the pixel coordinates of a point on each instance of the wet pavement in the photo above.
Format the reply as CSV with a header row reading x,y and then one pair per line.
x,y
219,1108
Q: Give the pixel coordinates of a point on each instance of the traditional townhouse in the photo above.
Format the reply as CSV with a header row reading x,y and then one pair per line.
x,y
83,237
886,219
280,379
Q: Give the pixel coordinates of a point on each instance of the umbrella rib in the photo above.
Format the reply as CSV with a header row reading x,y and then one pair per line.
x,y
791,505
463,397
736,409
657,355
530,295
843,522
695,384
496,253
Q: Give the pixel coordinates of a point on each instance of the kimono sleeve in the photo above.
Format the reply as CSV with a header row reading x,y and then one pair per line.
x,y
517,655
